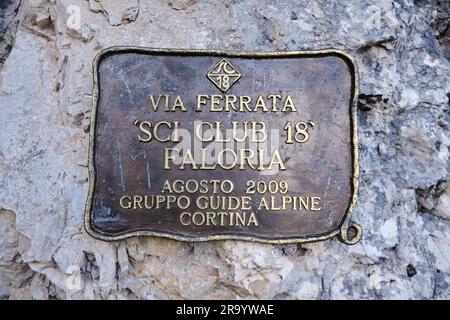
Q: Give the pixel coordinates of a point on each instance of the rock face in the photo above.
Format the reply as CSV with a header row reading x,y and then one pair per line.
x,y
402,49
8,24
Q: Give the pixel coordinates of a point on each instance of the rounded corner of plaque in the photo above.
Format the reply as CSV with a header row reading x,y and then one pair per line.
x,y
105,52
347,57
350,234
99,57
350,60
91,230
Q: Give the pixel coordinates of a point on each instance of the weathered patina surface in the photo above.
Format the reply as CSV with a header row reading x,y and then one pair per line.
x,y
321,86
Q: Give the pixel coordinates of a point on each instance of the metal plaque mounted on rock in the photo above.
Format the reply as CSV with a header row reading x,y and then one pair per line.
x,y
204,145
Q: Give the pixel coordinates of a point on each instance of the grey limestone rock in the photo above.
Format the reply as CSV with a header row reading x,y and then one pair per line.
x,y
402,50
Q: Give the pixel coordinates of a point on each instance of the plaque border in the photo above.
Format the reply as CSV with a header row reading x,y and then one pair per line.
x,y
348,232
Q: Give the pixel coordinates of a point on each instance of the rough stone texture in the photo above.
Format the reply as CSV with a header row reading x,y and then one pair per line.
x,y
45,99
117,11
9,10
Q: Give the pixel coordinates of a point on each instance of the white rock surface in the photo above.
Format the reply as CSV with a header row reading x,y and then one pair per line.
x,y
45,100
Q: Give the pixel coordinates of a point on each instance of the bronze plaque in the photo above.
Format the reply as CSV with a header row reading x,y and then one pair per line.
x,y
205,145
